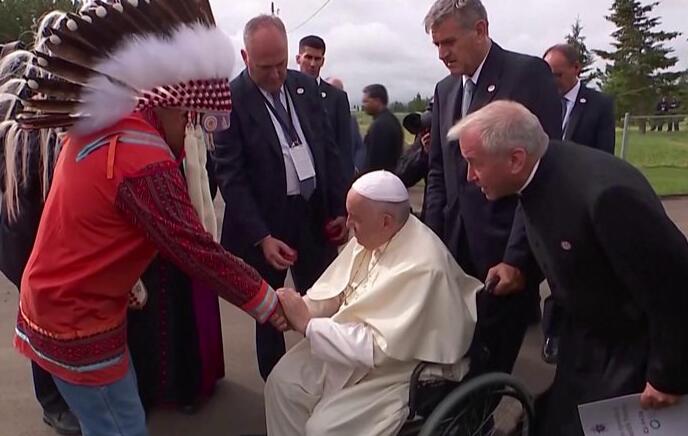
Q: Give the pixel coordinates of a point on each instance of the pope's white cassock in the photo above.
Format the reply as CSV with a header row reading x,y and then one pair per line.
x,y
377,314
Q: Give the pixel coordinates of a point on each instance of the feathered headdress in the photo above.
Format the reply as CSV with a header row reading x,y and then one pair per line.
x,y
116,58
88,70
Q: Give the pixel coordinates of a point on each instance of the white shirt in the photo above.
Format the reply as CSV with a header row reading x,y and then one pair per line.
x,y
570,97
293,185
530,177
476,75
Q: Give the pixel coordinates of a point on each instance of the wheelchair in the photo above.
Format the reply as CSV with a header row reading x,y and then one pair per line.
x,y
491,404
487,404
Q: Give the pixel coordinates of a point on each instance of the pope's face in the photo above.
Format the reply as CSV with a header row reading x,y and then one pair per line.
x,y
365,221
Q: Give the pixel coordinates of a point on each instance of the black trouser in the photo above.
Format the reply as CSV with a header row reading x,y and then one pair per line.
x,y
305,234
551,318
46,392
502,322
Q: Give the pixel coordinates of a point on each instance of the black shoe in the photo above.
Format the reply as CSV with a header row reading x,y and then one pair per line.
x,y
550,350
64,423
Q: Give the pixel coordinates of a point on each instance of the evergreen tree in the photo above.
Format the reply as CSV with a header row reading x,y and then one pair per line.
x,y
19,18
636,71
576,39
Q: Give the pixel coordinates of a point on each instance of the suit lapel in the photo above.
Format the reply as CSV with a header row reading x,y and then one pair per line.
x,y
451,115
488,81
576,112
256,108
297,96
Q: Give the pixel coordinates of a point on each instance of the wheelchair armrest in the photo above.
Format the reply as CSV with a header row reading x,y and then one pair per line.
x,y
413,387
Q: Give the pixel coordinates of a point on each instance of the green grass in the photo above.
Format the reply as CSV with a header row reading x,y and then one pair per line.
x,y
661,156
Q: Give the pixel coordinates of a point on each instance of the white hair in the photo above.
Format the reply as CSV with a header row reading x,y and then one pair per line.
x,y
466,13
502,126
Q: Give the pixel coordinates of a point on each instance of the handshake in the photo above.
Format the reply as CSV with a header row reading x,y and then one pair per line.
x,y
292,312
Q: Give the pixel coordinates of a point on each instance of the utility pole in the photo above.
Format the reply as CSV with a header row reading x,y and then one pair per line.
x,y
273,9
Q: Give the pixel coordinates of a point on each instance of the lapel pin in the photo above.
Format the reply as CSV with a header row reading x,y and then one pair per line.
x,y
566,245
583,100
300,91
324,94
491,88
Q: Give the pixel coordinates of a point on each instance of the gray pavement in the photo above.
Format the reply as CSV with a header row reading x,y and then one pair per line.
x,y
237,406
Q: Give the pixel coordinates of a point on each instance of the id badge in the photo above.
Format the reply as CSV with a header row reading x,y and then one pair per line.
x,y
302,162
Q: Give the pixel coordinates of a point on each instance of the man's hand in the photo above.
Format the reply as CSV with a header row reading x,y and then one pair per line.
x,y
295,309
336,231
651,398
278,254
425,141
509,279
278,320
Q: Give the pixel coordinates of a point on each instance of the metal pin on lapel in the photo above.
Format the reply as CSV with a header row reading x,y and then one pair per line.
x,y
300,91
566,245
324,94
583,100
491,88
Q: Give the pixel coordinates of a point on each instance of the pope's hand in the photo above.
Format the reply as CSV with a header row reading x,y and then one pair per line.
x,y
295,309
651,398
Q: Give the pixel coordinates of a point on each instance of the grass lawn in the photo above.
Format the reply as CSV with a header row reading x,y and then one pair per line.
x,y
661,156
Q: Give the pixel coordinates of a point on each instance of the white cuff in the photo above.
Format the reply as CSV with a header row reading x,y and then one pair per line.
x,y
346,344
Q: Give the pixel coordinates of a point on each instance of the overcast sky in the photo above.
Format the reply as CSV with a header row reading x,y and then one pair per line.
x,y
383,41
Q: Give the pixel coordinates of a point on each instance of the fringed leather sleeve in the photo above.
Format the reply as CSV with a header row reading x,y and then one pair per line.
x,y
156,200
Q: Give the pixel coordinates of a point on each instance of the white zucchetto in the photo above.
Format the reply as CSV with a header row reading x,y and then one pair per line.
x,y
381,186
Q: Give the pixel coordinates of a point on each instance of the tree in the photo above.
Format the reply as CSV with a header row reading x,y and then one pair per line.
x,y
19,18
417,104
576,39
636,73
397,107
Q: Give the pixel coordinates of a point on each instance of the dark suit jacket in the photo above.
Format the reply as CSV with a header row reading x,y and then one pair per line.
x,y
591,121
615,262
336,104
250,166
456,208
384,142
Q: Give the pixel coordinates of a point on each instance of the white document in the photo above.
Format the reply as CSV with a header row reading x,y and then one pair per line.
x,y
623,416
302,161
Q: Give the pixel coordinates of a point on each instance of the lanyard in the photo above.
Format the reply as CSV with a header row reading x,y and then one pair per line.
x,y
287,126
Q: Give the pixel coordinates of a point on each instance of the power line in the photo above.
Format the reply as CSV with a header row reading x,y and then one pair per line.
x,y
317,11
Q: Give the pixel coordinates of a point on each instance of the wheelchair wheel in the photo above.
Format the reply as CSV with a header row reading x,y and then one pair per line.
x,y
493,404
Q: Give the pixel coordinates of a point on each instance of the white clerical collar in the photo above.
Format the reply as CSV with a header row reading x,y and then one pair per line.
x,y
530,178
476,75
317,79
573,92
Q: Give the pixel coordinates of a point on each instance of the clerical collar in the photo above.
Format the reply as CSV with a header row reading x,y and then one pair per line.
x,y
476,75
572,94
317,79
530,178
